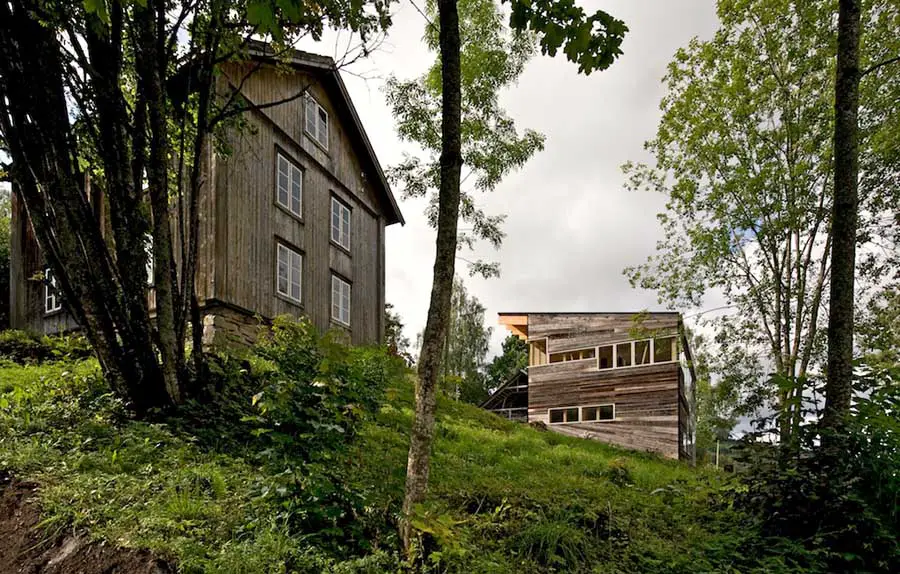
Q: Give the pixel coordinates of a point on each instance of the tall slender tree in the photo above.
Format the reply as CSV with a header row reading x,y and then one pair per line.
x,y
844,216
591,41
743,155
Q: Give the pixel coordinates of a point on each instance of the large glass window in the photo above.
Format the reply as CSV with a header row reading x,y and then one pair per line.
x,y
663,349
289,186
642,352
289,272
340,300
605,357
623,355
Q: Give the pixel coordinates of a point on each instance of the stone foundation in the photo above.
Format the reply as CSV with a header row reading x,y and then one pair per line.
x,y
227,328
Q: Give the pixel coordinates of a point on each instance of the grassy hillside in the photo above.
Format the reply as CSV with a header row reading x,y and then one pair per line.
x,y
504,497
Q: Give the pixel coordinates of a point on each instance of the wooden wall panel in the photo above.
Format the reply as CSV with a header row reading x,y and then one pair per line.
x,y
611,325
26,292
269,84
646,400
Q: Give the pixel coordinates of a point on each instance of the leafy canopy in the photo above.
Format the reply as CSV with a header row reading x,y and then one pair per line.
x,y
492,58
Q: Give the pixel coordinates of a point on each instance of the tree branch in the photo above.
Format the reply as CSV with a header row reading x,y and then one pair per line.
x,y
881,64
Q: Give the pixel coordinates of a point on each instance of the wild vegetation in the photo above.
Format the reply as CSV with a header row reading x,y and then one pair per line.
x,y
304,455
296,462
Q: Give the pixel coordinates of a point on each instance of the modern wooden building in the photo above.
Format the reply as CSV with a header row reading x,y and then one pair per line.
x,y
292,220
622,378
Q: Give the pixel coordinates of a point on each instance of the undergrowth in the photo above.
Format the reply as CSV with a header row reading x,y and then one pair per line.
x,y
293,460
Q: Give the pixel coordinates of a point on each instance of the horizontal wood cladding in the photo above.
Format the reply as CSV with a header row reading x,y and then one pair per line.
x,y
599,326
645,397
662,443
559,343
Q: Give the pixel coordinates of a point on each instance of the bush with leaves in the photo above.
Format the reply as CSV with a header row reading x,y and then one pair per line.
x,y
827,513
24,347
295,402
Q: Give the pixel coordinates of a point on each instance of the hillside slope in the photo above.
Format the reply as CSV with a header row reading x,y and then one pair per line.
x,y
503,498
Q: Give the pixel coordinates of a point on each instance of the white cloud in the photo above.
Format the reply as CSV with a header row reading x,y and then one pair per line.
x,y
571,227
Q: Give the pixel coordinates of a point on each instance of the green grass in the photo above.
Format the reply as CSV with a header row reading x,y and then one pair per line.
x,y
503,497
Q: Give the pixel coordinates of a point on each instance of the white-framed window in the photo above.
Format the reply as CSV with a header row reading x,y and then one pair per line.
x,y
316,121
623,354
148,248
340,223
288,273
340,300
583,414
289,185
52,296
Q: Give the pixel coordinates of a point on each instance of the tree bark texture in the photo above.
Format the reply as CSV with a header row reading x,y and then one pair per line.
x,y
429,369
838,384
105,294
150,65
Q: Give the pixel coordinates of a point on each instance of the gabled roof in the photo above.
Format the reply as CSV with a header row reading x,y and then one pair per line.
x,y
327,70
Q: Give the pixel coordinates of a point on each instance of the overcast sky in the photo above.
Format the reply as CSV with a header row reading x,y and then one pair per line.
x,y
571,227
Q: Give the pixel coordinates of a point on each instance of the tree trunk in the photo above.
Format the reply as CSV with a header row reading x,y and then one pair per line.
x,y
150,85
844,219
417,467
99,290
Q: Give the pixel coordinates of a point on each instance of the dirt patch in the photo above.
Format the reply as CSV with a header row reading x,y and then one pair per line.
x,y
25,548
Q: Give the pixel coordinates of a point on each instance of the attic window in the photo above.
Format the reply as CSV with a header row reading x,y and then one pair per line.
x,y
316,121
52,297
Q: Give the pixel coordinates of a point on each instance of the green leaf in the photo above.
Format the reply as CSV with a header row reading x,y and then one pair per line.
x,y
98,8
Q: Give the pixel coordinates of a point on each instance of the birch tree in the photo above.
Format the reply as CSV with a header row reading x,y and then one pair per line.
x,y
743,154
593,43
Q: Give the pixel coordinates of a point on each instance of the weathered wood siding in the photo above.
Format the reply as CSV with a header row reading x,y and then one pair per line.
x,y
646,397
249,220
241,221
27,292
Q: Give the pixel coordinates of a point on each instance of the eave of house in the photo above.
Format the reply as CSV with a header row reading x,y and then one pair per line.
x,y
333,82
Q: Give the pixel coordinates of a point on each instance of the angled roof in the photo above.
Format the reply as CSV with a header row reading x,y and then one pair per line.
x,y
331,80
505,313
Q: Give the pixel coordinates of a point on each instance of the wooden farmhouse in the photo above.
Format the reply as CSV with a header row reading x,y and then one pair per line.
x,y
622,378
292,220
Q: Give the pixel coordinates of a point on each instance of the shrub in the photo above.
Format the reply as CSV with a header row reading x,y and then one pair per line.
x,y
27,348
292,404
315,390
827,512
